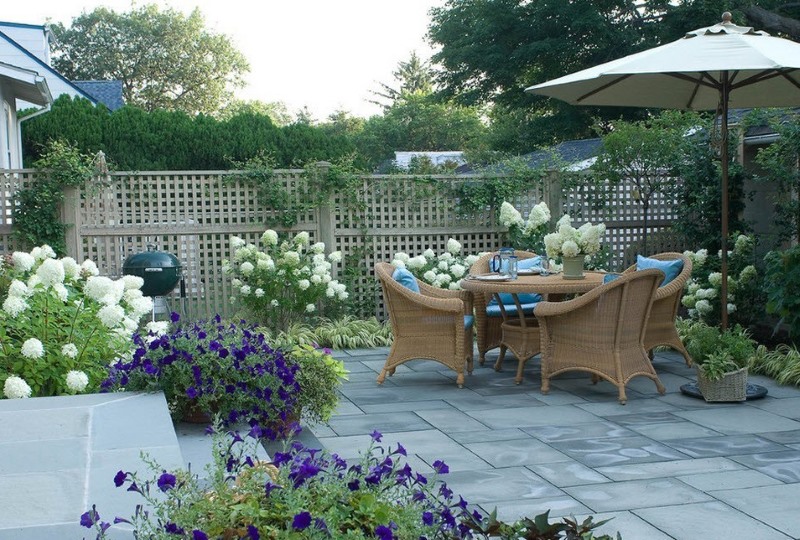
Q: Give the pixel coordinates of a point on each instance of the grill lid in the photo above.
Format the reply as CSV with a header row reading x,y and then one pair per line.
x,y
160,270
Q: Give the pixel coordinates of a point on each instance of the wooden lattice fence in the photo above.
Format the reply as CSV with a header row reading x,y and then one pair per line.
x,y
193,214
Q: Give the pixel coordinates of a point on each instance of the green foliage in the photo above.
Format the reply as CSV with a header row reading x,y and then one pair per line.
x,y
309,493
782,364
491,51
165,60
61,325
746,297
779,162
284,282
319,377
418,122
346,332
717,352
699,195
782,285
134,139
36,212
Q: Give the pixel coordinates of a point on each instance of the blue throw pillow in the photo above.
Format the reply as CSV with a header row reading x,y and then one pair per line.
x,y
671,269
608,278
406,279
527,264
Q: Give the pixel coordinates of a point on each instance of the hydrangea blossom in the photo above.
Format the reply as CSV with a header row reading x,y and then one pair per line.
x,y
51,272
510,216
23,262
269,238
32,348
453,246
77,381
14,305
16,388
70,350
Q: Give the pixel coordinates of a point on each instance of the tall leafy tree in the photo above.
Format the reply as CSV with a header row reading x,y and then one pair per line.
x,y
165,60
492,49
413,75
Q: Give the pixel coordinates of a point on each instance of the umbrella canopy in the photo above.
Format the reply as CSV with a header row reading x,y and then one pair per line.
x,y
711,68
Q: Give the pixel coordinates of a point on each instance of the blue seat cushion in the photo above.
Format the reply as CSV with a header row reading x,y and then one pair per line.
x,y
527,309
671,269
468,320
406,279
608,278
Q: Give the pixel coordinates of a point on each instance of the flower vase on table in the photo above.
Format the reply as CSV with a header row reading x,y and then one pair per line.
x,y
573,267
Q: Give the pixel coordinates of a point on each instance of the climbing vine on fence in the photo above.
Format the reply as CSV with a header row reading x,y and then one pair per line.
x,y
36,209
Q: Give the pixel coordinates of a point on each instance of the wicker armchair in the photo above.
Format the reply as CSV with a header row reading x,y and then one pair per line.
x,y
426,325
601,332
661,327
488,329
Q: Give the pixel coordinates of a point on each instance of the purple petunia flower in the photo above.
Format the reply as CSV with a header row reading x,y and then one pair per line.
x,y
400,450
427,518
166,481
301,521
440,467
376,436
191,392
119,478
172,528
252,531
174,317
199,535
383,532
88,519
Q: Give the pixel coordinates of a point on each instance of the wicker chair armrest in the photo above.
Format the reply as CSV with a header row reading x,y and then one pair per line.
x,y
452,304
436,292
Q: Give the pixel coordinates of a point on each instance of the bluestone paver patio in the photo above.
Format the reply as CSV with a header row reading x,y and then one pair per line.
x,y
663,467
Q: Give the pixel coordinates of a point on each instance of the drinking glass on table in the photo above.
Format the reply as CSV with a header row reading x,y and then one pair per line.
x,y
545,264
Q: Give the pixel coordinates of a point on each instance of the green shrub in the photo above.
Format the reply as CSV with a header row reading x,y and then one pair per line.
x,y
782,284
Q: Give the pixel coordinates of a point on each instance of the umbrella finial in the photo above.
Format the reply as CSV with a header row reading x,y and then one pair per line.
x,y
727,18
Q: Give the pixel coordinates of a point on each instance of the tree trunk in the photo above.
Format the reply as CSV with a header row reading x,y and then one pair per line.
x,y
772,22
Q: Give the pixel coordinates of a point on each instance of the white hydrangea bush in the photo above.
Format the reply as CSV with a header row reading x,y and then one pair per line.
x,y
444,271
702,296
526,234
567,241
284,282
62,324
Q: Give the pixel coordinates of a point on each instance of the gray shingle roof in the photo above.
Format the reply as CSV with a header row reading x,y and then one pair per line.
x,y
109,93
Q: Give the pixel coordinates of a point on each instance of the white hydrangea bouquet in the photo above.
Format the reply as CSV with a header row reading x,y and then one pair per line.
x,y
444,271
702,295
284,282
526,234
568,241
62,324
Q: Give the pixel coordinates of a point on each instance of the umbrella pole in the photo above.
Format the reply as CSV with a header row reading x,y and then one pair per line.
x,y
724,91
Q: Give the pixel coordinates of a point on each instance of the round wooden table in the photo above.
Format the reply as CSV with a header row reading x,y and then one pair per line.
x,y
521,334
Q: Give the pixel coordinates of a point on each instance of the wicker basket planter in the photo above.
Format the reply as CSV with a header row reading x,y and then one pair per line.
x,y
731,387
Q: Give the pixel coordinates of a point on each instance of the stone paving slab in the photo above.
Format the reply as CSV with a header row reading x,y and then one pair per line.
x,y
785,466
735,479
744,420
709,521
605,452
633,494
773,505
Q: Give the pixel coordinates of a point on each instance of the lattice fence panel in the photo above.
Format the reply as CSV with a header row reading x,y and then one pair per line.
x,y
193,214
10,182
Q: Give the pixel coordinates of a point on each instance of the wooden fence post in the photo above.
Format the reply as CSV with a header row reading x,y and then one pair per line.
x,y
554,195
71,217
326,225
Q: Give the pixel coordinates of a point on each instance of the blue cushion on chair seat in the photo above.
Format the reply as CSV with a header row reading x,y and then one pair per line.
x,y
468,320
494,310
671,269
608,278
406,279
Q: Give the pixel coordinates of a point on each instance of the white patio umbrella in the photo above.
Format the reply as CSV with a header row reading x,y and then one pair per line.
x,y
715,68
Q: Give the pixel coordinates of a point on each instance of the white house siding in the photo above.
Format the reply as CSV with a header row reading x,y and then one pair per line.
x,y
31,37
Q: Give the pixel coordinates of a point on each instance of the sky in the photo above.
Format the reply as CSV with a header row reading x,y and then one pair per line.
x,y
323,54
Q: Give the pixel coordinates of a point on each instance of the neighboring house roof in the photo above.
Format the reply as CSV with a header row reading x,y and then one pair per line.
x,y
574,154
109,93
58,83
403,159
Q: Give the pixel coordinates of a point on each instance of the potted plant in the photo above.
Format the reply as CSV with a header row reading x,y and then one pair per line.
x,y
231,370
721,359
573,245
